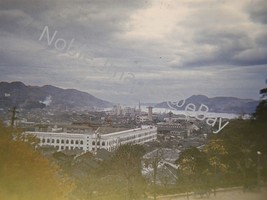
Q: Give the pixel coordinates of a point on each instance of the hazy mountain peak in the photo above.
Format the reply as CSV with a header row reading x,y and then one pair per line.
x,y
218,104
58,97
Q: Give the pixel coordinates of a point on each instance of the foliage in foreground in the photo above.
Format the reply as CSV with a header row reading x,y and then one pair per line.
x,y
236,156
25,174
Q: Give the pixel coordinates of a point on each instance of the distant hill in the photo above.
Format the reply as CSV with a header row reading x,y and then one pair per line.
x,y
20,95
218,104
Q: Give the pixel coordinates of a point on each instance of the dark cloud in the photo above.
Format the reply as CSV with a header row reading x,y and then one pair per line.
x,y
257,11
250,57
204,38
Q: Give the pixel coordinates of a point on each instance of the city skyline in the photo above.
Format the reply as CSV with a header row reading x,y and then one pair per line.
x,y
124,51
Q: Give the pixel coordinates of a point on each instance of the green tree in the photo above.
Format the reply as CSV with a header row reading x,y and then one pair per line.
x,y
243,139
193,168
127,164
154,161
117,178
216,154
25,174
261,112
259,126
237,139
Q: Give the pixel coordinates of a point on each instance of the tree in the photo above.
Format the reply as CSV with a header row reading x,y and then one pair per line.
x,y
243,139
117,178
261,112
193,167
237,155
216,154
259,125
155,160
237,140
127,163
25,174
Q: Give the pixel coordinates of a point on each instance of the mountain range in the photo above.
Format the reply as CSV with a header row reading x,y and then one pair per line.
x,y
22,96
28,97
216,104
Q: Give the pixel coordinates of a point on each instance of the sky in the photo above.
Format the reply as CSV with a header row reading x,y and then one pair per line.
x,y
124,51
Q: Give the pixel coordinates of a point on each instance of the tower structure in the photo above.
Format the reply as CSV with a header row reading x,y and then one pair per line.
x,y
150,113
139,107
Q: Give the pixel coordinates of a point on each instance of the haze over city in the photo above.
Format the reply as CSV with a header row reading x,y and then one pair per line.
x,y
126,51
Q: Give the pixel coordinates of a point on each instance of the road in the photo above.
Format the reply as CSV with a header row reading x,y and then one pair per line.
x,y
237,194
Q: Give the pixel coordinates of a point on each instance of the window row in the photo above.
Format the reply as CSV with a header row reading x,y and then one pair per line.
x,y
98,143
67,148
136,136
139,140
58,141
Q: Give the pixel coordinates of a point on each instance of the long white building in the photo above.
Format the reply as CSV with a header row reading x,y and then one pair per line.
x,y
93,141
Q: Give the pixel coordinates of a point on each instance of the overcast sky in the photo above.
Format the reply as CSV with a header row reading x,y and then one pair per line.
x,y
129,50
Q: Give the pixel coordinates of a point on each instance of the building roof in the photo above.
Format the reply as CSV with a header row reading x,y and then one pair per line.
x,y
108,129
170,155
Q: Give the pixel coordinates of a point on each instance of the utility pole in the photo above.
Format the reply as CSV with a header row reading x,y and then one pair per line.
x,y
13,116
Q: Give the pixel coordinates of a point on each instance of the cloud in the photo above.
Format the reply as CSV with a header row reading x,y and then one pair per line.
x,y
257,11
167,45
252,57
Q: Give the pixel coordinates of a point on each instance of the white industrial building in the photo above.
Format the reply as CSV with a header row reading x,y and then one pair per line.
x,y
93,141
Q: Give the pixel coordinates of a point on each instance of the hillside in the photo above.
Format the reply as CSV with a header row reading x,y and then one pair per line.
x,y
20,95
218,104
